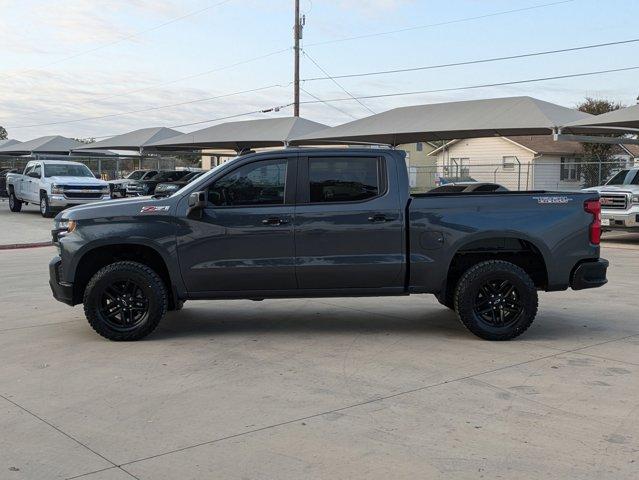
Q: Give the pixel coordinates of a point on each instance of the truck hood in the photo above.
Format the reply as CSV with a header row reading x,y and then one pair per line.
x,y
78,181
614,189
119,208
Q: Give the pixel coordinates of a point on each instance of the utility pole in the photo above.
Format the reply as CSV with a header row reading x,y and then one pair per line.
x,y
297,34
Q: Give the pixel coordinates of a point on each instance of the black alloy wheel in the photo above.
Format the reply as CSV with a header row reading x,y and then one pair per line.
x,y
123,305
498,303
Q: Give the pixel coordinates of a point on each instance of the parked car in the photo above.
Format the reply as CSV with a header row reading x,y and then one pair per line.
x,y
324,223
3,180
55,185
169,188
458,187
147,186
620,201
118,187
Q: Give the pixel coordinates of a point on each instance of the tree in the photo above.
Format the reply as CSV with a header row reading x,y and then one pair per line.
x,y
598,162
3,133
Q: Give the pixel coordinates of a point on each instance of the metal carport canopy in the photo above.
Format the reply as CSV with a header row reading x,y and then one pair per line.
x,y
622,119
48,144
244,135
135,140
451,120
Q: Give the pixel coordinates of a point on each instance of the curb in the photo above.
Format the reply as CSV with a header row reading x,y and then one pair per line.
x,y
16,246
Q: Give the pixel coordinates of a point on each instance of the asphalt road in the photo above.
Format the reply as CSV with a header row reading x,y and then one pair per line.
x,y
335,388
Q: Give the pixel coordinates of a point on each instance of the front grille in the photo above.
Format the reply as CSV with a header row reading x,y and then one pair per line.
x,y
83,194
614,202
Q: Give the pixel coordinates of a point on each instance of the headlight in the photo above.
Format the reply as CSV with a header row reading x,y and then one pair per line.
x,y
635,199
65,227
57,189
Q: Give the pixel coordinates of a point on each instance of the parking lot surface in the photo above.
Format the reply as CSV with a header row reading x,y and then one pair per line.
x,y
326,388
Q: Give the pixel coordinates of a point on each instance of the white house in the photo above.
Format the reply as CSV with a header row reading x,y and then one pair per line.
x,y
521,162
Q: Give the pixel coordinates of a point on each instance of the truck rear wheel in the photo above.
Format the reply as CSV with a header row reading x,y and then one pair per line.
x,y
496,300
15,205
125,301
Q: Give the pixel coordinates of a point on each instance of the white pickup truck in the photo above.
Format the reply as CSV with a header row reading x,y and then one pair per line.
x,y
55,185
620,201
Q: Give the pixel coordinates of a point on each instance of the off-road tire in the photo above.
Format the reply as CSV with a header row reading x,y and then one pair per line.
x,y
15,205
468,289
149,282
45,208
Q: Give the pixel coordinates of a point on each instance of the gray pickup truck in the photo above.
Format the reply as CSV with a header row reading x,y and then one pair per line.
x,y
321,223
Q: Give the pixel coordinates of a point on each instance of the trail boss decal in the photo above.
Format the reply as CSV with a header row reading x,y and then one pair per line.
x,y
553,200
154,209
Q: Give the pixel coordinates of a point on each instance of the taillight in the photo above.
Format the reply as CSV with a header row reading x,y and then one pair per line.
x,y
594,207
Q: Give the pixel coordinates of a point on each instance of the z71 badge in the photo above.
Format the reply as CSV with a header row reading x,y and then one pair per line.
x,y
553,200
155,209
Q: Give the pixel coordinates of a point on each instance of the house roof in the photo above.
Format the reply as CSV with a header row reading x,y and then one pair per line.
x,y
269,132
450,120
48,144
546,145
132,140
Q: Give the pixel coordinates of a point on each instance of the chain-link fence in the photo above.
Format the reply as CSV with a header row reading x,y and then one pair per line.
x,y
108,168
540,174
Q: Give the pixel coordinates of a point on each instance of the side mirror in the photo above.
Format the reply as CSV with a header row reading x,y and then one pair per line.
x,y
197,200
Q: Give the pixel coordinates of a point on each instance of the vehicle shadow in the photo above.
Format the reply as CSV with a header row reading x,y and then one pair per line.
x,y
435,321
195,322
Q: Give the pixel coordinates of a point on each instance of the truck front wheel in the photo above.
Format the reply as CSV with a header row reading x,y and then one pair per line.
x,y
15,205
125,301
45,208
496,300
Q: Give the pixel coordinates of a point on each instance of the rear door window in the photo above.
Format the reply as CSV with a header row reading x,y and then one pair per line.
x,y
335,179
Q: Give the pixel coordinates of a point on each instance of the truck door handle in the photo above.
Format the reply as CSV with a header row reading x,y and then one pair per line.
x,y
275,221
379,217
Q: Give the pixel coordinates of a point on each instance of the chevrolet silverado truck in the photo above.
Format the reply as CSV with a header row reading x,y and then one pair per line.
x,y
118,187
620,201
55,185
324,223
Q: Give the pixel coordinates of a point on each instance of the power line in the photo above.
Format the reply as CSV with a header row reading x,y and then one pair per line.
x,y
486,85
328,104
337,83
439,24
160,107
157,85
471,62
120,40
266,110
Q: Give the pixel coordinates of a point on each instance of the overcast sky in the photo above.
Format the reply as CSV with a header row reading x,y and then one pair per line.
x,y
68,60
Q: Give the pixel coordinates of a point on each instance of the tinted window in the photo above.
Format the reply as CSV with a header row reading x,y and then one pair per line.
x,y
635,181
343,179
169,176
71,170
137,175
149,174
258,183
618,179
487,188
449,189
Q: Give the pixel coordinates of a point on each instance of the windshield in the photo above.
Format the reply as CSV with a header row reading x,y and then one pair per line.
x,y
192,176
618,179
64,170
169,176
137,175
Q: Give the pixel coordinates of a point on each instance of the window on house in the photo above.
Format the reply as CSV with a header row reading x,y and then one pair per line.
x,y
508,163
419,146
570,170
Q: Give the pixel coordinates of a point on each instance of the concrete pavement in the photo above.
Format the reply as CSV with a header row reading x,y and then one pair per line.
x,y
327,388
